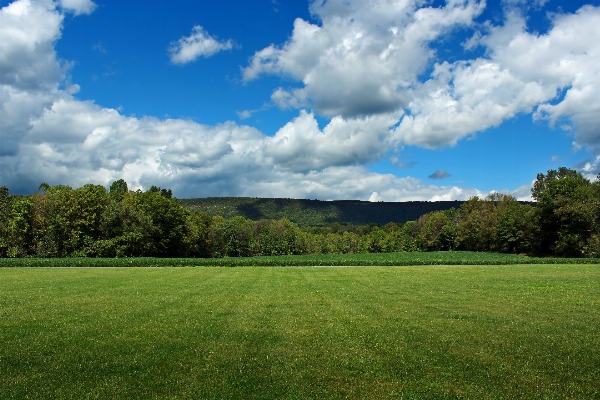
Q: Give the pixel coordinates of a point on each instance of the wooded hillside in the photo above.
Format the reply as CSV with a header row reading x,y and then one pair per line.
x,y
317,212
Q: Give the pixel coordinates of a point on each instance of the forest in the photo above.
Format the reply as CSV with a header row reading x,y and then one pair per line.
x,y
317,212
91,221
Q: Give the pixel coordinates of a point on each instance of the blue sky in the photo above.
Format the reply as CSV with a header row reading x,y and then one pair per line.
x,y
339,99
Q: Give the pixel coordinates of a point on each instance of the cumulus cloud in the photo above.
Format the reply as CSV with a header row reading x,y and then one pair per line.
x,y
361,67
78,6
463,98
244,114
363,56
80,142
60,139
365,59
28,61
589,168
301,146
29,69
521,73
198,44
568,59
285,99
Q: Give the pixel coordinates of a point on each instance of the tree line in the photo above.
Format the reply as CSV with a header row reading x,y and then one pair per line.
x,y
90,221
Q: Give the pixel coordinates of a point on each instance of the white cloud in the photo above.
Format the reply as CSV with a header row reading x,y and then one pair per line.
x,y
363,57
463,98
456,193
589,168
78,6
360,66
523,193
375,197
65,140
301,146
285,99
27,57
79,142
473,41
568,58
244,114
29,70
521,73
198,44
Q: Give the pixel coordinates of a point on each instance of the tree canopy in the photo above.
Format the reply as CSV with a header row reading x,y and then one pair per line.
x,y
90,221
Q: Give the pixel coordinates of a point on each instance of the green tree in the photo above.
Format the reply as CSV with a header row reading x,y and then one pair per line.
x,y
197,235
118,189
168,223
216,238
237,232
57,237
349,243
126,229
516,227
374,241
167,193
20,241
277,237
476,221
438,231
567,205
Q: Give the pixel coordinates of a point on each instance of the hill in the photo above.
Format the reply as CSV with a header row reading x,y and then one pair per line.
x,y
317,212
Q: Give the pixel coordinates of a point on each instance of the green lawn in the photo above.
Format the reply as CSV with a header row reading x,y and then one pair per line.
x,y
476,332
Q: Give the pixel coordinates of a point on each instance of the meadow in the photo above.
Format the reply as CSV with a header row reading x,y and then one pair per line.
x,y
439,332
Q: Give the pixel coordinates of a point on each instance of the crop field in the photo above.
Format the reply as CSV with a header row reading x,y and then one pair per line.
x,y
370,259
428,332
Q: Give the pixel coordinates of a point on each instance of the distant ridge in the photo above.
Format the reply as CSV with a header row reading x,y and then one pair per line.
x,y
317,212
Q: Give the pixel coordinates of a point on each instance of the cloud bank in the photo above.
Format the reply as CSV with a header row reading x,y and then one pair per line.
x,y
362,67
366,58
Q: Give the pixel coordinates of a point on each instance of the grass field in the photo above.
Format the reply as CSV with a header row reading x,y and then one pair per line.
x,y
438,332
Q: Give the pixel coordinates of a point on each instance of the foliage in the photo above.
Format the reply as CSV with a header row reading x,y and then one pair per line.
x,y
316,212
118,189
308,260
59,221
437,231
568,208
516,229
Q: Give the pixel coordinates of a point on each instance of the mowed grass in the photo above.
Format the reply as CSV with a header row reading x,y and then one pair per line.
x,y
441,332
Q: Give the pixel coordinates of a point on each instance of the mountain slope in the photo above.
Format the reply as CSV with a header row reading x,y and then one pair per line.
x,y
317,212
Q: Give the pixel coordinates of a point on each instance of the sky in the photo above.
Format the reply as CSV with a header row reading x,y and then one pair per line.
x,y
380,100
